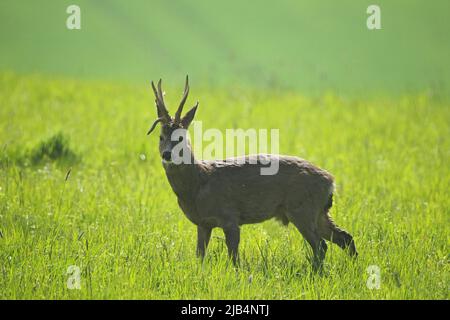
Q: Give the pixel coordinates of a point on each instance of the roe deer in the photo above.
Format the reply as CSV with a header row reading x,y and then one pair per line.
x,y
229,193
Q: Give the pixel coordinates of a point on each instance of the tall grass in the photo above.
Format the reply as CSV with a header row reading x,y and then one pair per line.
x,y
116,218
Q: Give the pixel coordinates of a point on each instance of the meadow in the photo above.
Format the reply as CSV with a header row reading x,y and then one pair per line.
x,y
114,215
81,184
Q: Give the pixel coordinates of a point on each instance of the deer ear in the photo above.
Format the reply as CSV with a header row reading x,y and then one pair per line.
x,y
189,116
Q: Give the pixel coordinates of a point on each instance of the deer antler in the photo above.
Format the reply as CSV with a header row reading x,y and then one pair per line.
x,y
154,125
160,105
183,100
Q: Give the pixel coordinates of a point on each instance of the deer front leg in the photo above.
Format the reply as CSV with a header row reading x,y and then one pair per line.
x,y
203,236
232,238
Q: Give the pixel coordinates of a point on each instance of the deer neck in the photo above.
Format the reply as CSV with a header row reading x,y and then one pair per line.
x,y
184,178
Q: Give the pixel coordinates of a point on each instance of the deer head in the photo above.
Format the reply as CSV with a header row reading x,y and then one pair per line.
x,y
173,130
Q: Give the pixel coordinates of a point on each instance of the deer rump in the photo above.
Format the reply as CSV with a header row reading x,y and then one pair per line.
x,y
233,192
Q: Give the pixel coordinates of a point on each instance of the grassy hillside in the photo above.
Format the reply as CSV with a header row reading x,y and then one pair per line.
x,y
307,45
116,218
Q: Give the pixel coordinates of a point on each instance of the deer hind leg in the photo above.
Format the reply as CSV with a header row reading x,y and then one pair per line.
x,y
203,236
329,231
307,226
232,238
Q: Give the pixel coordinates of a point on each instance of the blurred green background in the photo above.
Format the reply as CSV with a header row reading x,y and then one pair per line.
x,y
311,46
372,107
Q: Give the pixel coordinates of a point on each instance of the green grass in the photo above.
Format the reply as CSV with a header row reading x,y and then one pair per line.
x,y
307,45
116,218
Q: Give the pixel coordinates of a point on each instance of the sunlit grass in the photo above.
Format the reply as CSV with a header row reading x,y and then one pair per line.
x,y
117,219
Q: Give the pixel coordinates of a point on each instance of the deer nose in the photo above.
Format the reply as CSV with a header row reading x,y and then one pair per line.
x,y
167,155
